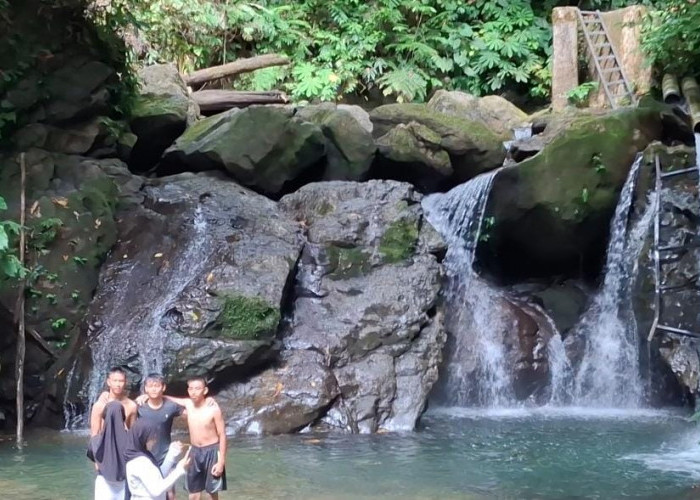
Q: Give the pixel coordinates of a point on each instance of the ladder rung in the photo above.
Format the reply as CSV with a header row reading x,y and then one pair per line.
x,y
611,70
602,45
691,170
594,33
605,58
676,248
678,331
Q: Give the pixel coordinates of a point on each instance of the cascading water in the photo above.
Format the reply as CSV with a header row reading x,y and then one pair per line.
x,y
146,324
476,371
609,375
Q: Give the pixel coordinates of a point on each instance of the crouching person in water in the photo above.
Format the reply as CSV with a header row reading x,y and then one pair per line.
x,y
208,437
146,480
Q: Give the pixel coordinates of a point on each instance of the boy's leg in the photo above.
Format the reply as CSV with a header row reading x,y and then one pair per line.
x,y
195,496
214,496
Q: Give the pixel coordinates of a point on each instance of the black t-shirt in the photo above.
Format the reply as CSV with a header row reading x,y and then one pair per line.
x,y
163,417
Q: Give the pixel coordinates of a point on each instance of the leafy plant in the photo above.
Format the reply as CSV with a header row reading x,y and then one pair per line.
x,y
58,324
579,95
10,265
81,261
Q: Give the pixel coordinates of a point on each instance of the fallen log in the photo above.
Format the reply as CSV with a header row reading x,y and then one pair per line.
x,y
234,68
214,101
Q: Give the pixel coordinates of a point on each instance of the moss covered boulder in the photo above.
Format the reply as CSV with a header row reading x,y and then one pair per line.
x,y
350,147
162,111
551,212
496,113
472,148
260,147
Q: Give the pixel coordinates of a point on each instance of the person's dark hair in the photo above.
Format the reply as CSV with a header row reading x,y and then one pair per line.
x,y
197,379
154,377
116,369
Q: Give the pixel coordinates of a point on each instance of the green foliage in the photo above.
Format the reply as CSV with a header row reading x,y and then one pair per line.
x,y
671,37
10,266
486,226
579,95
58,324
403,48
399,241
247,318
44,232
80,261
347,262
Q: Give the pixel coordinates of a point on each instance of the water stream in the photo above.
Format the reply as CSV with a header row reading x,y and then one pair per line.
x,y
144,325
609,374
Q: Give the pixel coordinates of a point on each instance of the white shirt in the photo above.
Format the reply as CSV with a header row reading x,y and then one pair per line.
x,y
147,482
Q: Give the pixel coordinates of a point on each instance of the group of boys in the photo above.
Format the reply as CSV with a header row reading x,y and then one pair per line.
x,y
205,422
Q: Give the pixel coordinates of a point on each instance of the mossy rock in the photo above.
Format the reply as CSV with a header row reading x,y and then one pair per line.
x,y
553,210
260,147
472,147
346,263
246,318
398,242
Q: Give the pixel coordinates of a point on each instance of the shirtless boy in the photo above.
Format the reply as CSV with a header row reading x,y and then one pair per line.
x,y
116,385
208,437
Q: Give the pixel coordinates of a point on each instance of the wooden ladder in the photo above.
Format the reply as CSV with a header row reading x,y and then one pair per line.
x,y
612,77
667,250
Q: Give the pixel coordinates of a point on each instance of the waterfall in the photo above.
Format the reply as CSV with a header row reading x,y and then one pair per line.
x,y
608,375
476,371
142,331
697,150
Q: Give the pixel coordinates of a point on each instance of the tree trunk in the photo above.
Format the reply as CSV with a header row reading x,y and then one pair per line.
x,y
214,101
19,310
234,68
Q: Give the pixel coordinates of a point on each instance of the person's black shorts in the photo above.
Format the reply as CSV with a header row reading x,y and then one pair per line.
x,y
199,477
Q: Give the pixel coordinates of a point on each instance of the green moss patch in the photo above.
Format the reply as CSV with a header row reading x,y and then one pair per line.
x,y
347,262
247,318
399,241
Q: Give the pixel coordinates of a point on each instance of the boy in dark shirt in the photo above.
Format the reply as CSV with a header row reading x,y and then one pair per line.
x,y
162,412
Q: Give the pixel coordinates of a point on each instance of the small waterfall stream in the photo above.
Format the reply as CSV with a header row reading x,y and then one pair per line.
x,y
145,325
608,375
476,371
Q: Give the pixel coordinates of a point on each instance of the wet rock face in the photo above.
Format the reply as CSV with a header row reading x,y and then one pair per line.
x,y
674,359
364,330
213,260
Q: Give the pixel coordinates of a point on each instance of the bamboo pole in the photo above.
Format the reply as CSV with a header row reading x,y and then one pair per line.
x,y
670,89
19,310
691,91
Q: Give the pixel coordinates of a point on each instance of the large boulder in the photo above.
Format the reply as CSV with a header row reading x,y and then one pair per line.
x,y
261,147
213,261
162,111
350,147
367,295
550,213
496,113
472,148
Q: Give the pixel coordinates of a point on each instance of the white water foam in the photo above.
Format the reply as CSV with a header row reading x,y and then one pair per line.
x,y
609,373
558,412
476,371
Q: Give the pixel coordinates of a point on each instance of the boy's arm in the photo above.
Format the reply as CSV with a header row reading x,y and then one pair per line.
x,y
218,468
133,413
184,402
96,418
